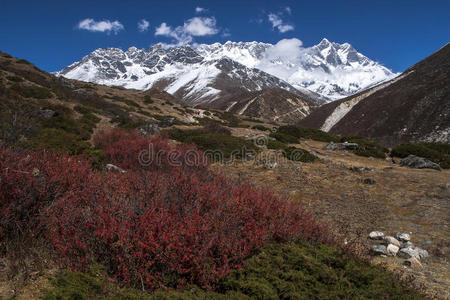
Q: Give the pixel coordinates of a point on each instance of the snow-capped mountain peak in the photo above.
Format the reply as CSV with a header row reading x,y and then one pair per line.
x,y
326,70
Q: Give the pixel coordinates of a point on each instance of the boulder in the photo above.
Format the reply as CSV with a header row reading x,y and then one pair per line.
x,y
407,244
148,129
359,169
369,181
408,253
376,235
392,240
413,263
402,236
417,162
113,168
392,250
378,250
422,253
341,146
447,186
46,113
166,122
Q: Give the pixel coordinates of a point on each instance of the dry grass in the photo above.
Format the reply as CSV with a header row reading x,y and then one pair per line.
x,y
402,199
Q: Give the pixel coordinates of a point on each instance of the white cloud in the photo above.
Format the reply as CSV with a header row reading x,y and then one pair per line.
x,y
288,10
197,26
200,26
143,25
199,9
286,50
278,23
163,29
100,26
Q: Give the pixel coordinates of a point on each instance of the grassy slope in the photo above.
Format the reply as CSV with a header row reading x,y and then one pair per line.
x,y
278,271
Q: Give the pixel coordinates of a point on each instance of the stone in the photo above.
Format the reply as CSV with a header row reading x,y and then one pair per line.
x,y
166,122
407,244
413,263
392,240
408,253
148,129
417,162
46,113
360,169
369,181
402,236
447,186
376,235
378,250
341,146
392,250
272,165
422,253
113,168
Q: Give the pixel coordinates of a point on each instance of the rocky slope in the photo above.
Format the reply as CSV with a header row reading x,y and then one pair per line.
x,y
413,107
272,104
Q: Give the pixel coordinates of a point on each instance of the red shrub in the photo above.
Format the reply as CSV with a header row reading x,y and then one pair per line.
x,y
163,226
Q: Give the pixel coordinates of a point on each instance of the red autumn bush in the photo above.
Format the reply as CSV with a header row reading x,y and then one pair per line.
x,y
157,226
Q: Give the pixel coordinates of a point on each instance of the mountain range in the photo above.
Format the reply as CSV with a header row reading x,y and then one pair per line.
x,y
208,73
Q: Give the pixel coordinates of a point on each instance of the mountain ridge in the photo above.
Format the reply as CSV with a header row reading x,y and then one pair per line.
x,y
313,72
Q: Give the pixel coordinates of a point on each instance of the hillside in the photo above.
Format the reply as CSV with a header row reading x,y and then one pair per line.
x,y
414,107
110,193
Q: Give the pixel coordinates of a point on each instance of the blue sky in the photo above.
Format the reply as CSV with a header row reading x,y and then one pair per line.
x,y
53,34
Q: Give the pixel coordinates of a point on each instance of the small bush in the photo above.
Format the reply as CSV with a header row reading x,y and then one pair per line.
x,y
298,154
284,138
436,152
148,100
276,145
216,128
261,127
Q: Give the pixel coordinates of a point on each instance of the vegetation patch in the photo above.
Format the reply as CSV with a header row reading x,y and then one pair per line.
x,y
298,154
307,133
284,138
214,137
295,270
31,91
261,127
366,147
436,152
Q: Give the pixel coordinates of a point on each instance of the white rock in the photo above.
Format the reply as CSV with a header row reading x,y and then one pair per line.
x,y
422,253
376,235
392,250
408,253
402,236
378,249
392,240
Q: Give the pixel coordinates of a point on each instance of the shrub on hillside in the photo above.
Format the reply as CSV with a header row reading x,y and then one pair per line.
x,y
298,154
31,91
307,133
284,138
436,152
214,137
157,225
261,127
